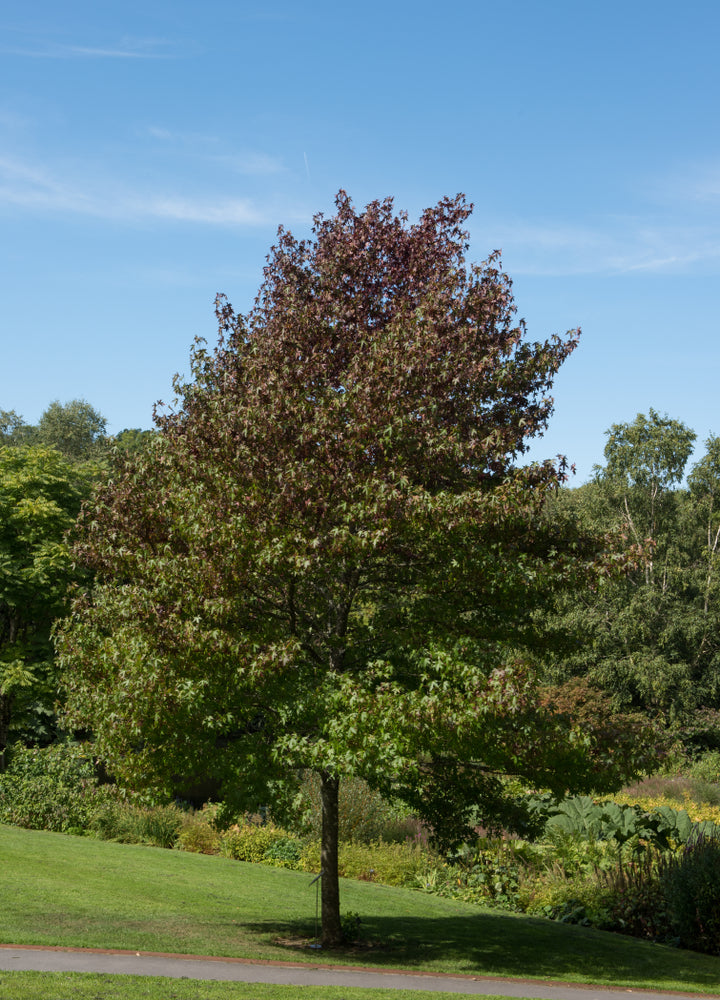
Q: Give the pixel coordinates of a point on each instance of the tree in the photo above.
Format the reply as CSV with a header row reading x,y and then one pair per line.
x,y
14,431
40,496
75,428
11,425
704,485
328,557
652,637
132,440
645,460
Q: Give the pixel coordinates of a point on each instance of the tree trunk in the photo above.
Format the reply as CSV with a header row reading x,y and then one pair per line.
x,y
331,926
5,706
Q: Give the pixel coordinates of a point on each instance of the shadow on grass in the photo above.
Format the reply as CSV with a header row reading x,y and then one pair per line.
x,y
503,945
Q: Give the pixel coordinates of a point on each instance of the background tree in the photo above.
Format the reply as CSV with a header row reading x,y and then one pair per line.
x,y
328,557
75,428
132,440
645,460
11,425
704,490
40,496
652,637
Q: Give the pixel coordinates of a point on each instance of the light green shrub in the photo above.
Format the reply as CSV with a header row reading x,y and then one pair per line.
x,y
285,852
388,864
707,768
260,844
198,834
488,874
52,788
129,823
579,898
364,815
112,822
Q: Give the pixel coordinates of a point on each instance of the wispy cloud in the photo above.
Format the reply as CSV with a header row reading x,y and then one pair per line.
x,y
258,164
607,245
213,150
696,183
163,134
181,138
669,242
22,184
12,120
671,226
126,48
26,186
223,212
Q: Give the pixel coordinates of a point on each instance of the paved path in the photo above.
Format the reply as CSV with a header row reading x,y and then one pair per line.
x,y
296,974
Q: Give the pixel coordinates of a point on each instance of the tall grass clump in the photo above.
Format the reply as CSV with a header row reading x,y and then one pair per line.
x,y
131,823
199,832
691,889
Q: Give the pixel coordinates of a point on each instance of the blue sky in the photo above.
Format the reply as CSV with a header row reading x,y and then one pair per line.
x,y
148,152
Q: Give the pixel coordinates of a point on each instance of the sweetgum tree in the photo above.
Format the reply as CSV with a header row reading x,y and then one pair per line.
x,y
328,557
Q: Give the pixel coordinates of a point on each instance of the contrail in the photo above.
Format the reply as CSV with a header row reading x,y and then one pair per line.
x,y
307,168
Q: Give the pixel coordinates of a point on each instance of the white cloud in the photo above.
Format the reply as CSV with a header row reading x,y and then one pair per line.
x,y
26,186
668,241
608,245
210,148
705,186
164,134
13,121
194,139
22,184
673,226
691,184
126,48
252,163
223,212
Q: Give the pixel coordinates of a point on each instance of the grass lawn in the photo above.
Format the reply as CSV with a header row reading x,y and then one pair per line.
x,y
86,986
87,893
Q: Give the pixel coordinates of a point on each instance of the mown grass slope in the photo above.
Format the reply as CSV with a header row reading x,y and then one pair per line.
x,y
77,891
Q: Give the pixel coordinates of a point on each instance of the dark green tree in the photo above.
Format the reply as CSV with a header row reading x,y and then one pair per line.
x,y
329,556
75,428
704,489
11,427
40,496
652,637
645,463
132,440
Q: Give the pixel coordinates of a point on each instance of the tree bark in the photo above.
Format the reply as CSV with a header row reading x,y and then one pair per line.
x,y
331,925
5,707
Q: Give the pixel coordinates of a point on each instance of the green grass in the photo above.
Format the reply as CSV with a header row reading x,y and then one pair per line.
x,y
87,893
88,986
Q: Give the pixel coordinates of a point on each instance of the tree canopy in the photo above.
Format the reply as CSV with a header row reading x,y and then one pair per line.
x,y
75,428
40,496
651,639
329,556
